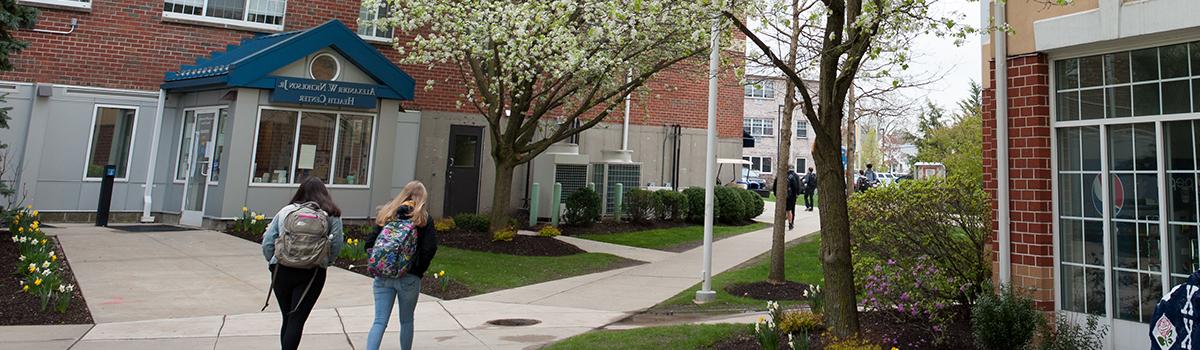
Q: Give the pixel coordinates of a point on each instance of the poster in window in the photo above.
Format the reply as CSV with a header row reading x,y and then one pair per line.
x,y
308,156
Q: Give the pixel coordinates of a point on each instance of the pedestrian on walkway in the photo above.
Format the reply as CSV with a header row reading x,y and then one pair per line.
x,y
402,246
793,191
301,241
810,188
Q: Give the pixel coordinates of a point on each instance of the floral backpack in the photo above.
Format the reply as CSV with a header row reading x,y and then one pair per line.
x,y
1173,325
394,250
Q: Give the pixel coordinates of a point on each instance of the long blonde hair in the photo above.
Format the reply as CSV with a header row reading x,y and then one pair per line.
x,y
413,194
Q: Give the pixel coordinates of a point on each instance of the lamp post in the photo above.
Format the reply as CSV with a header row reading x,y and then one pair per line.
x,y
706,294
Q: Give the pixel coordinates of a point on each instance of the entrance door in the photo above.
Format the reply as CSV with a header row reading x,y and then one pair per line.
x,y
462,170
203,125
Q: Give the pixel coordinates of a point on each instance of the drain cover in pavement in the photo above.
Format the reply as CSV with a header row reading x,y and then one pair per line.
x,y
513,322
149,228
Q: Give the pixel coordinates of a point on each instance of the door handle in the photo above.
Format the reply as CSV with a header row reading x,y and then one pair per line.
x,y
205,169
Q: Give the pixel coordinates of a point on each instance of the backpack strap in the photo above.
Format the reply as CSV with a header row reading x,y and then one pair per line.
x,y
270,289
305,293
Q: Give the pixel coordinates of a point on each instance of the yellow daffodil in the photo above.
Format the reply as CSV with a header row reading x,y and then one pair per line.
x,y
35,213
35,225
441,273
37,282
244,209
349,241
21,229
43,241
259,217
29,206
53,258
25,288
895,348
32,267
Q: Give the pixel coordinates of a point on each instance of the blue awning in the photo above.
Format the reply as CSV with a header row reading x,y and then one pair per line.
x,y
250,63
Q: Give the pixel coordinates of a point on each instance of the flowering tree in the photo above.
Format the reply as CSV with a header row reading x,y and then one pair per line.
x,y
542,71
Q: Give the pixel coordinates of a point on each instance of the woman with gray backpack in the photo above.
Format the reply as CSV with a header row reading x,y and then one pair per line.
x,y
401,248
302,240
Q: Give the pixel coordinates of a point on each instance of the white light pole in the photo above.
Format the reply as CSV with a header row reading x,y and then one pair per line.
x,y
706,294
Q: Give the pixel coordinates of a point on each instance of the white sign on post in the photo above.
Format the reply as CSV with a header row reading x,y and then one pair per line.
x,y
308,156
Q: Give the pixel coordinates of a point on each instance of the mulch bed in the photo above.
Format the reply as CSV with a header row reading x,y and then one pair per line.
x,y
245,235
881,328
19,308
520,245
619,227
766,291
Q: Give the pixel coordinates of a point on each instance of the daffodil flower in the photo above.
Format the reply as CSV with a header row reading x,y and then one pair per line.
x,y
25,288
32,267
259,217
21,258
35,213
21,229
46,272
53,258
46,264
37,282
244,209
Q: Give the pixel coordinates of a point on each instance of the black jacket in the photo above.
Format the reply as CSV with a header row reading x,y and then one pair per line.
x,y
793,181
426,242
810,182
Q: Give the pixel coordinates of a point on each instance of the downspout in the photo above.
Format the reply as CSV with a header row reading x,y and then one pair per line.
x,y
148,190
625,128
999,43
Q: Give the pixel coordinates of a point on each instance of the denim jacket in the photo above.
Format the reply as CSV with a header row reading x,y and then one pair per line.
x,y
268,242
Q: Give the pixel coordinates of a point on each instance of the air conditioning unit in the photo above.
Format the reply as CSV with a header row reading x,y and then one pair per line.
x,y
617,168
561,163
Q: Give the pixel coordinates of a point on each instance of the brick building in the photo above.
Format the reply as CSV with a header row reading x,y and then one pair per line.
x,y
1102,102
764,96
143,85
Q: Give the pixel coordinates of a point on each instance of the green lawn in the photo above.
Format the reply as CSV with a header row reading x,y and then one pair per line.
x,y
671,238
654,338
801,264
484,272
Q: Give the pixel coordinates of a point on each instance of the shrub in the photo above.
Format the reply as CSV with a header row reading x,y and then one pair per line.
x,y
353,250
695,204
946,220
549,231
583,207
1066,334
852,344
1004,322
908,294
753,203
472,222
505,235
251,223
729,208
802,322
444,224
674,205
641,205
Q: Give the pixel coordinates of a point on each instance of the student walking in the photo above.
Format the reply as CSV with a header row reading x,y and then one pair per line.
x,y
793,190
301,241
810,187
401,247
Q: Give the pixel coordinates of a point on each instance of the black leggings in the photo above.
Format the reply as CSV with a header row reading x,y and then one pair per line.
x,y
289,287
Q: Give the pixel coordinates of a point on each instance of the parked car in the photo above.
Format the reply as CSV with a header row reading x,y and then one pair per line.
x,y
886,178
752,179
903,177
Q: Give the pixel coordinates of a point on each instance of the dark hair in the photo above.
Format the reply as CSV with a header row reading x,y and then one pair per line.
x,y
870,166
313,190
810,169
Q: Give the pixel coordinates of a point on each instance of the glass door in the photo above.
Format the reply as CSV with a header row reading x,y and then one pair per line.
x,y
199,165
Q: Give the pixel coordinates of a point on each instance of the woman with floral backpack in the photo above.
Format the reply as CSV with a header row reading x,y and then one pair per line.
x,y
401,248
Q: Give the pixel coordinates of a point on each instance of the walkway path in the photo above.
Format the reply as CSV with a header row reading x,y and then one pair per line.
x,y
202,290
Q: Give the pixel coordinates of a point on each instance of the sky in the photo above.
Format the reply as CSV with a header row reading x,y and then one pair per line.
x,y
960,64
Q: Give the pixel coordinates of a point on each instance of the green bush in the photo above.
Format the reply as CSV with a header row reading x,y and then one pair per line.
x,y
505,235
729,208
549,231
640,205
695,204
583,207
945,220
674,205
473,222
1004,322
1066,334
753,203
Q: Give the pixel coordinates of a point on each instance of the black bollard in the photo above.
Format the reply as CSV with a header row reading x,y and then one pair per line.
x,y
106,188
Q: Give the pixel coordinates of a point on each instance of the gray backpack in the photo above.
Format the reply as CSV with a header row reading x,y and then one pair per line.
x,y
304,238
304,242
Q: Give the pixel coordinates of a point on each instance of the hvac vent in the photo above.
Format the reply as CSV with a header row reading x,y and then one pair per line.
x,y
572,177
607,176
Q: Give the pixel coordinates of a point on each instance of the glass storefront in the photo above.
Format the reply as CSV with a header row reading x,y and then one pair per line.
x,y
1127,136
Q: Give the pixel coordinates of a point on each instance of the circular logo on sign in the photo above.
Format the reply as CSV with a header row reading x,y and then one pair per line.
x,y
1118,194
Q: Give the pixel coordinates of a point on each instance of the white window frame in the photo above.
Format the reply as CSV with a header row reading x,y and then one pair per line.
x,y
760,162
296,147
225,22
92,136
758,89
309,67
182,124
374,37
800,122
761,125
62,4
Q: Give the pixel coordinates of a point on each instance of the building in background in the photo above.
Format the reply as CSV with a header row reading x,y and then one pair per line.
x,y
763,113
1103,109
256,95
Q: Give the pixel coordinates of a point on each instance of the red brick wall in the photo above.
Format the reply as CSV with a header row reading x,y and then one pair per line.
x,y
125,44
1030,193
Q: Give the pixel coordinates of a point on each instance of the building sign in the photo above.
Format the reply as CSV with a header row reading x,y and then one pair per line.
x,y
325,93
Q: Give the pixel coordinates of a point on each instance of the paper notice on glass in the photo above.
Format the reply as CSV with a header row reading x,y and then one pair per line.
x,y
308,155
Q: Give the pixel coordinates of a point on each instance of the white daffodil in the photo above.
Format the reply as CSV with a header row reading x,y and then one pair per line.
x,y
70,287
46,272
15,239
32,266
23,239
46,264
21,258
62,288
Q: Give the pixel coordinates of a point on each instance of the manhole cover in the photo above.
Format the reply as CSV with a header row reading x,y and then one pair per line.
x,y
513,322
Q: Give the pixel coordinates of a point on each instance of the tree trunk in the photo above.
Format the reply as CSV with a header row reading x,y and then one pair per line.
x,y
784,155
502,194
851,143
841,306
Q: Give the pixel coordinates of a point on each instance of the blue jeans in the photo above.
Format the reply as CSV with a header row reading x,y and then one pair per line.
x,y
388,290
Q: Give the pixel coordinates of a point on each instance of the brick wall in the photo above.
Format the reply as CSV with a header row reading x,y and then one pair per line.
x,y
125,44
1030,193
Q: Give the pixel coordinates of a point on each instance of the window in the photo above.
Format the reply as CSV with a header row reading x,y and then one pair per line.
x,y
185,145
1146,82
77,4
368,24
761,89
759,127
292,145
324,67
802,129
111,140
759,164
801,165
261,14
